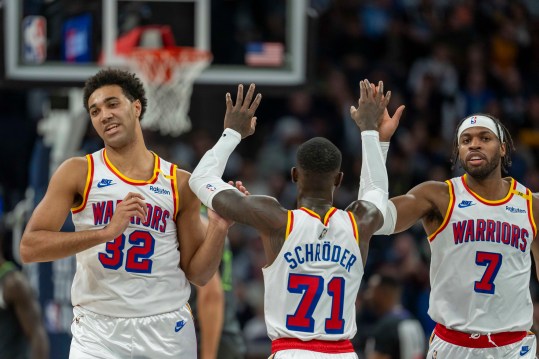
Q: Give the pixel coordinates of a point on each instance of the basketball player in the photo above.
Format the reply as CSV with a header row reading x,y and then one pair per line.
x,y
481,229
134,215
316,253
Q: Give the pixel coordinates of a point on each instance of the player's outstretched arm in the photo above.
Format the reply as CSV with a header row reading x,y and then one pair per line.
x,y
386,129
261,212
404,211
368,116
42,240
373,196
428,199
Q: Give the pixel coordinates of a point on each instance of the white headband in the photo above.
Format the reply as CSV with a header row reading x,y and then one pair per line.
x,y
480,121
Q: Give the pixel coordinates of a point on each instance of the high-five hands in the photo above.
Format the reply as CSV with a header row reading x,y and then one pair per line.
x,y
389,124
371,106
241,115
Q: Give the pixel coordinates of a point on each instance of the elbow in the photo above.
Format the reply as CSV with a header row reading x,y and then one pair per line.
x,y
25,250
198,280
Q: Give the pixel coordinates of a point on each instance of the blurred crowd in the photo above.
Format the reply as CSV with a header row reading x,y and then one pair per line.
x,y
444,60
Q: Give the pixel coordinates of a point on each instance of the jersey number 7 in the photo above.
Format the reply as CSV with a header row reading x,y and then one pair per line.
x,y
312,286
493,262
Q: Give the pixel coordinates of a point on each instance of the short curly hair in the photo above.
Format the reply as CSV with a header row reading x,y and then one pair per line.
x,y
319,155
131,86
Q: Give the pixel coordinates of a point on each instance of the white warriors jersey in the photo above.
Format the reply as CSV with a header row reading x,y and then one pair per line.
x,y
481,263
311,287
136,274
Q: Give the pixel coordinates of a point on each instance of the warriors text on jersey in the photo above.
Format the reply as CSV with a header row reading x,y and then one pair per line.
x,y
311,287
136,274
480,265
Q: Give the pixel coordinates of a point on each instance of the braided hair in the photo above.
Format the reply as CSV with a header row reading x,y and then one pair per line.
x,y
508,140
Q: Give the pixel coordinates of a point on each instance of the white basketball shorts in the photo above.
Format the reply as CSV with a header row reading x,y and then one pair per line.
x,y
441,348
168,335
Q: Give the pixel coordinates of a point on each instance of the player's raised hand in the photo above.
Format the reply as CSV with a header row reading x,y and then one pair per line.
x,y
132,205
371,106
240,116
389,124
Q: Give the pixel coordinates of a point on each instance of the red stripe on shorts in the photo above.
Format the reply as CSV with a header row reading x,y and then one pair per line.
x,y
320,346
470,340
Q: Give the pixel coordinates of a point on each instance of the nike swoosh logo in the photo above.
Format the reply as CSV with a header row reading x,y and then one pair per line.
x,y
179,326
464,205
101,184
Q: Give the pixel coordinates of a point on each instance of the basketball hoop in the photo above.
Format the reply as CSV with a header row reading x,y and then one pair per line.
x,y
168,74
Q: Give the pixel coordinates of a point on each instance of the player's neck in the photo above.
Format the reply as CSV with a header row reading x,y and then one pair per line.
x,y
319,205
491,188
135,162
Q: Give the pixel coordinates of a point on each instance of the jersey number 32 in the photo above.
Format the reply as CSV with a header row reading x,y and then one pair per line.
x,y
137,256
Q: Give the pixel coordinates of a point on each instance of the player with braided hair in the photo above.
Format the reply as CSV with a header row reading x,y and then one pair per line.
x,y
501,132
481,229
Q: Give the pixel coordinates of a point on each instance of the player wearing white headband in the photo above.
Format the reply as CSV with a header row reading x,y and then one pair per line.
x,y
481,121
482,231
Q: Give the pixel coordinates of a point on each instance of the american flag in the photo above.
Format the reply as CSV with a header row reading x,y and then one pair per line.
x,y
264,54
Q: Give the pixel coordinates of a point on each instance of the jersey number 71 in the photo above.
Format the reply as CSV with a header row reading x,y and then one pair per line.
x,y
312,287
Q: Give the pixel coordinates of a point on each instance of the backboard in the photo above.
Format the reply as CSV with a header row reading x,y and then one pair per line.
x,y
261,41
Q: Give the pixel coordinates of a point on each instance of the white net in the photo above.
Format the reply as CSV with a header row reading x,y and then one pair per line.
x,y
168,75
